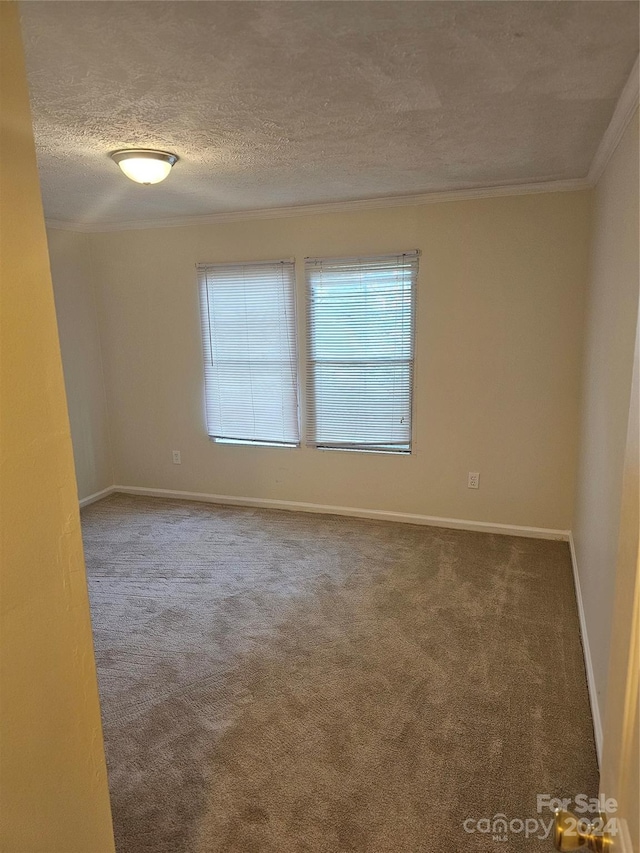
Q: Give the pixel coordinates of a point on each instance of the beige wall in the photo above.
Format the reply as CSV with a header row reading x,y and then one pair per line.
x,y
608,360
500,313
72,276
621,759
53,787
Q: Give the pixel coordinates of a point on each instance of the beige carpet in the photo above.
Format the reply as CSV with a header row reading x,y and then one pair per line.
x,y
293,683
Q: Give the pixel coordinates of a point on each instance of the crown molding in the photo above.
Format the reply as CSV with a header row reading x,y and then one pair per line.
x,y
463,194
622,115
64,225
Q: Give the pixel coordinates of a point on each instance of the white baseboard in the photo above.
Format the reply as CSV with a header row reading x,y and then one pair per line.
x,y
97,496
593,696
355,512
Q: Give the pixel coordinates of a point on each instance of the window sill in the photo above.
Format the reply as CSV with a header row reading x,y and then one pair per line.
x,y
365,450
239,442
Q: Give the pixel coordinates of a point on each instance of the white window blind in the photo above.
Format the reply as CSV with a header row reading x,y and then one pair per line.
x,y
250,360
360,316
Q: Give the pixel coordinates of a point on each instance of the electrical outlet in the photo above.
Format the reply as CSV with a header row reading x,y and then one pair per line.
x,y
178,461
474,480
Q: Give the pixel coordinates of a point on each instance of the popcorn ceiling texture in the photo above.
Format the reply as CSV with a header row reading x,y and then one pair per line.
x,y
281,103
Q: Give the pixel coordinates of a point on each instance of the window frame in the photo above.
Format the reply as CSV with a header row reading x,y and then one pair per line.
x,y
309,397
206,327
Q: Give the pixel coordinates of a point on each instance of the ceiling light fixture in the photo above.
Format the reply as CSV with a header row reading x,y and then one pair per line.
x,y
143,165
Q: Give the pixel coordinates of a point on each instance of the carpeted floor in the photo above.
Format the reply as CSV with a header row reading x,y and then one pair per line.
x,y
277,682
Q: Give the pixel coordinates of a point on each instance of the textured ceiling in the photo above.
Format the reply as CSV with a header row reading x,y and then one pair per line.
x,y
280,103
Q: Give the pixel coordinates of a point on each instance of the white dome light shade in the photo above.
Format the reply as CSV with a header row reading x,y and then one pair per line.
x,y
143,165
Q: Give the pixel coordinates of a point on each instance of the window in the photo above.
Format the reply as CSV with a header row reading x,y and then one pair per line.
x,y
360,315
250,361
